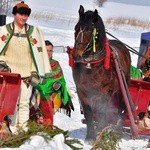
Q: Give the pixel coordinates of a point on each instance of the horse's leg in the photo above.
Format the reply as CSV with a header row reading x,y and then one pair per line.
x,y
101,112
88,114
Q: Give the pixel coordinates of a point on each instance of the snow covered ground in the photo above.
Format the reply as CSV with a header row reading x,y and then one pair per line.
x,y
61,34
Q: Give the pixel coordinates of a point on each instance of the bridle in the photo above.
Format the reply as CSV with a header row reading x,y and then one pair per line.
x,y
79,40
97,56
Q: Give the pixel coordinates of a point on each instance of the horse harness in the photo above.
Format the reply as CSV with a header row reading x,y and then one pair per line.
x,y
97,57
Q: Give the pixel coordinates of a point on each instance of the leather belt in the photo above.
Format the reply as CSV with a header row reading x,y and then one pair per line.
x,y
20,35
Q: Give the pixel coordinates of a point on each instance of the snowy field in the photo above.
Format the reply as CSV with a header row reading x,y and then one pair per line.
x,y
62,34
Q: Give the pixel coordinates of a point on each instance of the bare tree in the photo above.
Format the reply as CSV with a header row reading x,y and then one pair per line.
x,y
100,3
6,6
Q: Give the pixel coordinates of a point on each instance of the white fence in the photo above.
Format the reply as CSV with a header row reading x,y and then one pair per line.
x,y
60,49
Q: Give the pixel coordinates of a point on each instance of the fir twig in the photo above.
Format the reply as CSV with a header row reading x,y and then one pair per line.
x,y
46,131
106,139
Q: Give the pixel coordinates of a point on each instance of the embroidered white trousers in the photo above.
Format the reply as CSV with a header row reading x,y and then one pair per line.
x,y
21,115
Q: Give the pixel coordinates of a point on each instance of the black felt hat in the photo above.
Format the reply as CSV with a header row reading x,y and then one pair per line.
x,y
21,8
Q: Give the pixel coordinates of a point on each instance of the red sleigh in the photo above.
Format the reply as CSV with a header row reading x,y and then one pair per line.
x,y
140,93
10,85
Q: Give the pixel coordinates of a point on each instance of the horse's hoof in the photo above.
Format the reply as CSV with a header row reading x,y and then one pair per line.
x,y
89,141
83,121
117,130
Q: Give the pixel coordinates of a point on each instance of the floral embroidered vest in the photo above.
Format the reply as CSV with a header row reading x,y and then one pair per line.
x,y
56,68
37,46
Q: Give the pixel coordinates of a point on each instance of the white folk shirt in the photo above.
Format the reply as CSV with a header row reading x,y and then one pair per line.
x,y
37,50
18,55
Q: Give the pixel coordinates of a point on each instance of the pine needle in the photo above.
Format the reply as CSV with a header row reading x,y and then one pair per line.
x,y
46,131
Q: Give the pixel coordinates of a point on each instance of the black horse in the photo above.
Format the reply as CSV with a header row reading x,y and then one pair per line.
x,y
95,78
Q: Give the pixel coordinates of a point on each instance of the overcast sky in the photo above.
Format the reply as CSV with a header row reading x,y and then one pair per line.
x,y
58,5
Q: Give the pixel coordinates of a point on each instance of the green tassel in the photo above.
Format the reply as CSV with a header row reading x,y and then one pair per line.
x,y
94,41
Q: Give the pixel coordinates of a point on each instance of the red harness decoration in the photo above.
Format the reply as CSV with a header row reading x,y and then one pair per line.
x,y
70,52
107,57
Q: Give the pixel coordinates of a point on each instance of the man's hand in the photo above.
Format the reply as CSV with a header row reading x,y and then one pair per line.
x,y
27,81
4,67
34,79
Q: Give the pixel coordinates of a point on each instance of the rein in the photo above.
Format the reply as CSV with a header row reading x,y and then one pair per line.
x,y
130,48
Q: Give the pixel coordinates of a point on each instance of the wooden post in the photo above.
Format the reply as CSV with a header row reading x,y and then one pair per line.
x,y
2,20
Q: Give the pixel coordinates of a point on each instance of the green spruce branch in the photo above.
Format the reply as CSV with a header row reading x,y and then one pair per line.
x,y
47,132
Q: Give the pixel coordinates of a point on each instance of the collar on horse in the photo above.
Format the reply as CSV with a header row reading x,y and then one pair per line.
x,y
104,54
95,58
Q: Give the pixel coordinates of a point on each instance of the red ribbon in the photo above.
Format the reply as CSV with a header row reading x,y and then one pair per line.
x,y
70,52
107,57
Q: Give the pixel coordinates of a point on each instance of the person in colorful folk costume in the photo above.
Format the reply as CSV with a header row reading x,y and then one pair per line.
x,y
59,93
23,49
146,66
55,66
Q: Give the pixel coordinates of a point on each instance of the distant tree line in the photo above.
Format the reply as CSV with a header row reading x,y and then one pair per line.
x,y
99,3
6,6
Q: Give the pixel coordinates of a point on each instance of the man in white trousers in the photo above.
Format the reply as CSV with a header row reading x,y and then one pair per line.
x,y
23,49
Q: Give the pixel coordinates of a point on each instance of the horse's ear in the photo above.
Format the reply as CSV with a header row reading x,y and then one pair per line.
x,y
95,16
81,11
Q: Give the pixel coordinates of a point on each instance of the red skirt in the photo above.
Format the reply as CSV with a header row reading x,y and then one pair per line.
x,y
46,108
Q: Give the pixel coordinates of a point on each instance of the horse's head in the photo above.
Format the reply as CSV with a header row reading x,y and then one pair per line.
x,y
89,33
